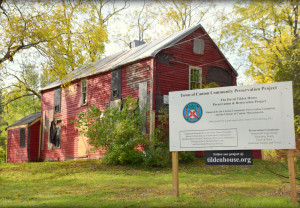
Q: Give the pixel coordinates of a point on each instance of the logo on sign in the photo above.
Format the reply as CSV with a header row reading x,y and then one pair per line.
x,y
192,112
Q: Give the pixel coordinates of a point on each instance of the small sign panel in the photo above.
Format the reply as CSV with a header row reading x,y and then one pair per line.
x,y
166,99
233,118
229,157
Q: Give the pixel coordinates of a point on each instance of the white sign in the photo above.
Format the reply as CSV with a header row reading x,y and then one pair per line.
x,y
233,118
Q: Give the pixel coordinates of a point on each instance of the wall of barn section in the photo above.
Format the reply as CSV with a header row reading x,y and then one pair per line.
x,y
134,74
174,75
172,65
15,153
98,94
34,141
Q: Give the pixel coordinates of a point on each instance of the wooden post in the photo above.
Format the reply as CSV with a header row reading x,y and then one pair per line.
x,y
152,123
40,139
175,174
291,164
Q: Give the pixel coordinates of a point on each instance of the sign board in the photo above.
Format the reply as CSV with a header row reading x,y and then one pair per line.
x,y
229,157
233,118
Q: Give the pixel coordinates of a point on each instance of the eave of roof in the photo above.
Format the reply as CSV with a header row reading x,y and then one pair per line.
x,y
27,120
129,56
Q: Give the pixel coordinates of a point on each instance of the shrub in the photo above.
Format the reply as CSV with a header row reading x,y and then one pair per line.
x,y
120,133
157,151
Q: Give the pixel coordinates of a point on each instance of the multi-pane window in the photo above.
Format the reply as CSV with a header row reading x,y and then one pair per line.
x,y
195,78
83,92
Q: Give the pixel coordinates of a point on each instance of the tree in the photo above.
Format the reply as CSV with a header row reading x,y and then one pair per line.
x,y
268,33
84,25
27,83
142,22
66,33
153,19
179,15
18,30
22,97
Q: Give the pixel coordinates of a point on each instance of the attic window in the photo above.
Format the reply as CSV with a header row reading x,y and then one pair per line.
x,y
198,46
84,92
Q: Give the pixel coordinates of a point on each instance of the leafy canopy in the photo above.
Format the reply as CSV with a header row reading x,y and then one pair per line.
x,y
268,33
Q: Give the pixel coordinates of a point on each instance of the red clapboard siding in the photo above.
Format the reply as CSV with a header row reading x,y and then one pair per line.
x,y
134,74
98,94
175,77
15,153
34,141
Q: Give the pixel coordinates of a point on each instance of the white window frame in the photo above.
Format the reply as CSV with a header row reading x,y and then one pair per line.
x,y
191,68
86,92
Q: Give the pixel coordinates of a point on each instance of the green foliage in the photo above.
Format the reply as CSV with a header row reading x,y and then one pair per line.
x,y
64,34
157,151
120,134
297,124
2,155
211,85
269,32
186,157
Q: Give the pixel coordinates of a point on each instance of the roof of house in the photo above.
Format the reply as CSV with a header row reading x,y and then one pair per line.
x,y
129,56
27,120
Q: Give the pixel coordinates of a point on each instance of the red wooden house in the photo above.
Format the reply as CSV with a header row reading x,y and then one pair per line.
x,y
148,71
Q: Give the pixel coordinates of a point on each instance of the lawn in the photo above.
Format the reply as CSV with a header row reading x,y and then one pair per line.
x,y
90,183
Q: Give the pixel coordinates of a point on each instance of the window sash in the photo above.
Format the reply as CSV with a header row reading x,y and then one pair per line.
x,y
195,78
84,92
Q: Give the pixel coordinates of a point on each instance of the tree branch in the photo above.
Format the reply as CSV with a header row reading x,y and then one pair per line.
x,y
16,98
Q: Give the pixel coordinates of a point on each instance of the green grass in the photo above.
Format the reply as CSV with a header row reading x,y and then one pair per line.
x,y
90,183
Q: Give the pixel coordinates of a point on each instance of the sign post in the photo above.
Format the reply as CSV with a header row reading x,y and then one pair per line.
x,y
291,165
233,118
175,174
